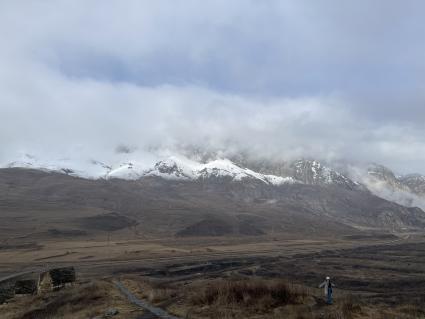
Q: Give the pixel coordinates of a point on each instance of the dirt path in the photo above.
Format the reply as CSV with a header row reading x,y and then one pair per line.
x,y
152,312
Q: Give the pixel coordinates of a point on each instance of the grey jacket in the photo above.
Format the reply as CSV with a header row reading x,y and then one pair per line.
x,y
325,285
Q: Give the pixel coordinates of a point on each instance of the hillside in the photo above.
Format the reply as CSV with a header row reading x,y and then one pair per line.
x,y
45,203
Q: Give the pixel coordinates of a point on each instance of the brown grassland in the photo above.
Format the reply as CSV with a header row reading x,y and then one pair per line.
x,y
265,277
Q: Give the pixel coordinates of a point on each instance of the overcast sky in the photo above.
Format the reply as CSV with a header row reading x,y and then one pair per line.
x,y
329,79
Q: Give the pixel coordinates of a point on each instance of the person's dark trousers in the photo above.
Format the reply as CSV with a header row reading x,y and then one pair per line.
x,y
329,299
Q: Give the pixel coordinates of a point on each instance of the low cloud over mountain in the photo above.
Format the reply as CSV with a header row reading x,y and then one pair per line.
x,y
81,82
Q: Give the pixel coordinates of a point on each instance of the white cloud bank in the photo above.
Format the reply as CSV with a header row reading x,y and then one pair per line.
x,y
79,78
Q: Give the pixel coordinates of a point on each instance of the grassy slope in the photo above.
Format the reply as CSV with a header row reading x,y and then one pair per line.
x,y
81,301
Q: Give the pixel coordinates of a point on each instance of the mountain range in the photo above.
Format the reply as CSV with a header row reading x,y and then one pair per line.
x,y
309,172
179,196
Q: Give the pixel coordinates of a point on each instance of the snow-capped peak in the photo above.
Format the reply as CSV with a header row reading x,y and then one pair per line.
x,y
185,169
225,167
314,172
172,167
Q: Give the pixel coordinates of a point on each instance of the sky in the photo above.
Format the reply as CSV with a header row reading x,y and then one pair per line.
x,y
329,79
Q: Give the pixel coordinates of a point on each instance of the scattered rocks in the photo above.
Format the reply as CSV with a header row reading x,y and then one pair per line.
x,y
111,312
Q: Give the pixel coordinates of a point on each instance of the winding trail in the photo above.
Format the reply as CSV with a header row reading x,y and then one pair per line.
x,y
152,311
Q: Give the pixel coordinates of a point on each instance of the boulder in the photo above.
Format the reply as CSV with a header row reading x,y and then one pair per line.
x,y
111,312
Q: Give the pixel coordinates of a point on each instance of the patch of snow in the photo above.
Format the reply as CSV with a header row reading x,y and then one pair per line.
x,y
225,167
279,180
127,171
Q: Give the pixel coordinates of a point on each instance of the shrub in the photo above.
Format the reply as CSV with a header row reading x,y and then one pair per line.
x,y
249,293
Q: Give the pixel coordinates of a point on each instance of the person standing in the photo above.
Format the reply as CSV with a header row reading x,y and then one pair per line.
x,y
328,286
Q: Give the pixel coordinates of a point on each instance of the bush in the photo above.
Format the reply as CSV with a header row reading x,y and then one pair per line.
x,y
249,293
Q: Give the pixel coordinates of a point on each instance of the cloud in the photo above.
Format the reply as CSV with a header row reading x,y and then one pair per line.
x,y
277,79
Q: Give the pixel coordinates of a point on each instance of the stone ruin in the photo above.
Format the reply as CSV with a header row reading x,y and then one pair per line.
x,y
59,277
7,291
26,287
52,279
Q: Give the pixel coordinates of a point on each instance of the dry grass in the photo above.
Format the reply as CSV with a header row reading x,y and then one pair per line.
x,y
243,298
220,298
253,293
404,312
157,295
350,307
80,301
254,298
150,290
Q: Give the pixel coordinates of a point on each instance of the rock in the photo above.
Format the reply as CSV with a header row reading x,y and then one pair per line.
x,y
111,312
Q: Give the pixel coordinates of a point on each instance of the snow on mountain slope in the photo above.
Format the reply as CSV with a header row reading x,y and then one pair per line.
x,y
279,180
314,173
185,169
405,190
173,167
222,168
85,169
128,171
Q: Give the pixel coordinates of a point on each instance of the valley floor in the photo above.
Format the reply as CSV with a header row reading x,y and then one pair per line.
x,y
372,275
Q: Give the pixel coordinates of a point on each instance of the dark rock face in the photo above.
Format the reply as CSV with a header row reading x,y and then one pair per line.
x,y
309,172
166,168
